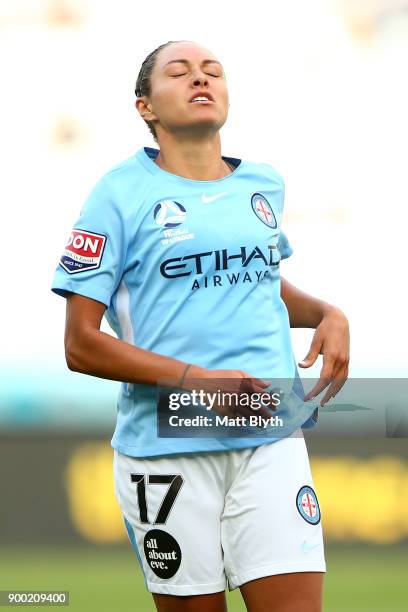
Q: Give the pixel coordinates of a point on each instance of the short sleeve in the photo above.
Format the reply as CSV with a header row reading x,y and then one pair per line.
x,y
93,259
284,246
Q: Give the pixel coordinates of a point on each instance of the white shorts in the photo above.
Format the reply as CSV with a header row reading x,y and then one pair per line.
x,y
197,520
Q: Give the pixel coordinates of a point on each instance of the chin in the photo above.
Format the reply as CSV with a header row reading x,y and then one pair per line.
x,y
209,123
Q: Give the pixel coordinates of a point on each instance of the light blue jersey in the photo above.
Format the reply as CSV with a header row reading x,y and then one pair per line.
x,y
187,269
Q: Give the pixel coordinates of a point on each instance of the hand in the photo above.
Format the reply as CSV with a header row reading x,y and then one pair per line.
x,y
332,340
234,382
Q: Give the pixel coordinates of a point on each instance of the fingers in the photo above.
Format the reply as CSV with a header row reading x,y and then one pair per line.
x,y
257,384
246,402
333,375
252,385
263,403
236,393
340,378
332,391
249,399
314,352
326,375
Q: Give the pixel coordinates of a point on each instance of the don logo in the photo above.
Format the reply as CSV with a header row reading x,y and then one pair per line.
x,y
83,251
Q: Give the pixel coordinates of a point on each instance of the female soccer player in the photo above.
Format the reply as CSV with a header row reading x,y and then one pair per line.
x,y
180,248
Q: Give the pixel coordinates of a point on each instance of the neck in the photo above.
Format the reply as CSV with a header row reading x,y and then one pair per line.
x,y
198,160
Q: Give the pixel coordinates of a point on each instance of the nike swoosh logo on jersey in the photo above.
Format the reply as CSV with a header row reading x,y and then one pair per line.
x,y
208,199
307,547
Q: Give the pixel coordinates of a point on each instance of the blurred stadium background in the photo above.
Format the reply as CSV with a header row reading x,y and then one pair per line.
x,y
318,89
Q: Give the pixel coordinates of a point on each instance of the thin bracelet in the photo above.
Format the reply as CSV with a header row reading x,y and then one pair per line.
x,y
184,374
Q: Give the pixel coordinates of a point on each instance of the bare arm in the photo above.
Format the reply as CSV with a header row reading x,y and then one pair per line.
x,y
91,351
304,310
331,338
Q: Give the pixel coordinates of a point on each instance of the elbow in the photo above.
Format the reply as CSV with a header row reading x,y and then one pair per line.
x,y
74,357
72,361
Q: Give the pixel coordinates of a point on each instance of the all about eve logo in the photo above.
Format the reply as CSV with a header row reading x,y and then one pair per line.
x,y
163,553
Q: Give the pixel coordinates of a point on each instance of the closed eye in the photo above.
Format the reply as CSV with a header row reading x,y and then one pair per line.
x,y
174,76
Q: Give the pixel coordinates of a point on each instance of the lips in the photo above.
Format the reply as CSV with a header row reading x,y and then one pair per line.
x,y
202,94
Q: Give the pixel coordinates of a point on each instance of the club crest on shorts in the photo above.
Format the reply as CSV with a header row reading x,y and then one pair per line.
x,y
263,210
83,251
308,506
168,214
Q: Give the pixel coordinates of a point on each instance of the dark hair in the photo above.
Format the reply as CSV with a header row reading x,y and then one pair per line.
x,y
143,84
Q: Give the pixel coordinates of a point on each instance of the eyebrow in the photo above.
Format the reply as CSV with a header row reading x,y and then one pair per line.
x,y
184,61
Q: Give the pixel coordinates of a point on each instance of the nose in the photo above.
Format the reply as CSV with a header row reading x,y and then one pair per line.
x,y
200,79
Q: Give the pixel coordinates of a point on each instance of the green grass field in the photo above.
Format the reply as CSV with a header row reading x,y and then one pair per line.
x,y
369,579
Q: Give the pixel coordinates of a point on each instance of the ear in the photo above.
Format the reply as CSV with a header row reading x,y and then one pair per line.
x,y
144,108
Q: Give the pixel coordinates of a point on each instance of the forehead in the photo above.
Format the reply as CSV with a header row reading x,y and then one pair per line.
x,y
184,50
